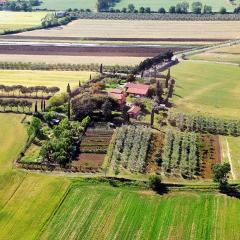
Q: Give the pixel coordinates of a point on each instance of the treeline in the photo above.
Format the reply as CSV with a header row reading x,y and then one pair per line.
x,y
58,19
180,8
181,154
130,148
14,103
204,124
161,16
105,5
27,91
62,67
150,62
19,5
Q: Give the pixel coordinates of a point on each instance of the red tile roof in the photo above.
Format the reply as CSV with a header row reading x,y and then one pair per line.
x,y
139,89
134,109
117,96
115,90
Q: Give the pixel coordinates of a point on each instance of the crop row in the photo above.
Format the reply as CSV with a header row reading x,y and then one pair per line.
x,y
62,67
204,124
130,148
181,154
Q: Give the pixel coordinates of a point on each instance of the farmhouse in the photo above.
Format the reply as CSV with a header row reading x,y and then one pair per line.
x,y
118,95
134,111
137,89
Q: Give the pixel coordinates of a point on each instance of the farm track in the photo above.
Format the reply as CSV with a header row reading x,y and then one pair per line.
x,y
85,50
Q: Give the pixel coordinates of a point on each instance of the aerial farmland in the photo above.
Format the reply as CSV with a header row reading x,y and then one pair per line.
x,y
119,119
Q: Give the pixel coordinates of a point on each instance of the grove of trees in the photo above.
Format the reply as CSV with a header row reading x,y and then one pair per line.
x,y
130,148
204,124
22,91
181,153
14,103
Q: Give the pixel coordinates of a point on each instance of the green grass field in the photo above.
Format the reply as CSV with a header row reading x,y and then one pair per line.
x,y
230,147
41,206
63,5
207,88
47,78
20,20
156,4
94,212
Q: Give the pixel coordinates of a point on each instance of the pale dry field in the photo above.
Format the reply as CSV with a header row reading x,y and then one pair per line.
x,y
143,29
226,54
51,59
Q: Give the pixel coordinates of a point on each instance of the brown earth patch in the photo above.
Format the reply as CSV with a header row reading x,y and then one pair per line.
x,y
210,154
86,50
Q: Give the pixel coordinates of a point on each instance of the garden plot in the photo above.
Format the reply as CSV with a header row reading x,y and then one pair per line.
x,y
93,149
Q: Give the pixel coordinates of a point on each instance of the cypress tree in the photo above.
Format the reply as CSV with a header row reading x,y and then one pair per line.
x,y
36,107
101,68
44,105
159,92
68,89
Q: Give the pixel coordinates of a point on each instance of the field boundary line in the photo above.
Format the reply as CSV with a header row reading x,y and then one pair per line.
x,y
69,188
14,192
230,158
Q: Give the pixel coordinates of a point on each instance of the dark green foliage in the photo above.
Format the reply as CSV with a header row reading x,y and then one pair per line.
x,y
34,126
61,148
220,173
155,182
150,62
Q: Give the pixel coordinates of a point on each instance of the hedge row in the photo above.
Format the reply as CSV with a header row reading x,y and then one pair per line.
x,y
161,16
62,67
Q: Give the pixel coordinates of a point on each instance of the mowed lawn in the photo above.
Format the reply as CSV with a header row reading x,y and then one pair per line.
x,y
44,78
63,4
106,213
26,200
156,4
226,54
207,88
19,20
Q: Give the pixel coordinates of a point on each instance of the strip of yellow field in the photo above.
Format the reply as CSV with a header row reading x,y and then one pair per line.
x,y
50,59
143,29
47,78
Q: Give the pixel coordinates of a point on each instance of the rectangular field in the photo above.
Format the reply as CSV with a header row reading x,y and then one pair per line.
x,y
63,4
230,147
226,54
19,20
47,78
207,88
156,4
145,29
50,59
98,212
